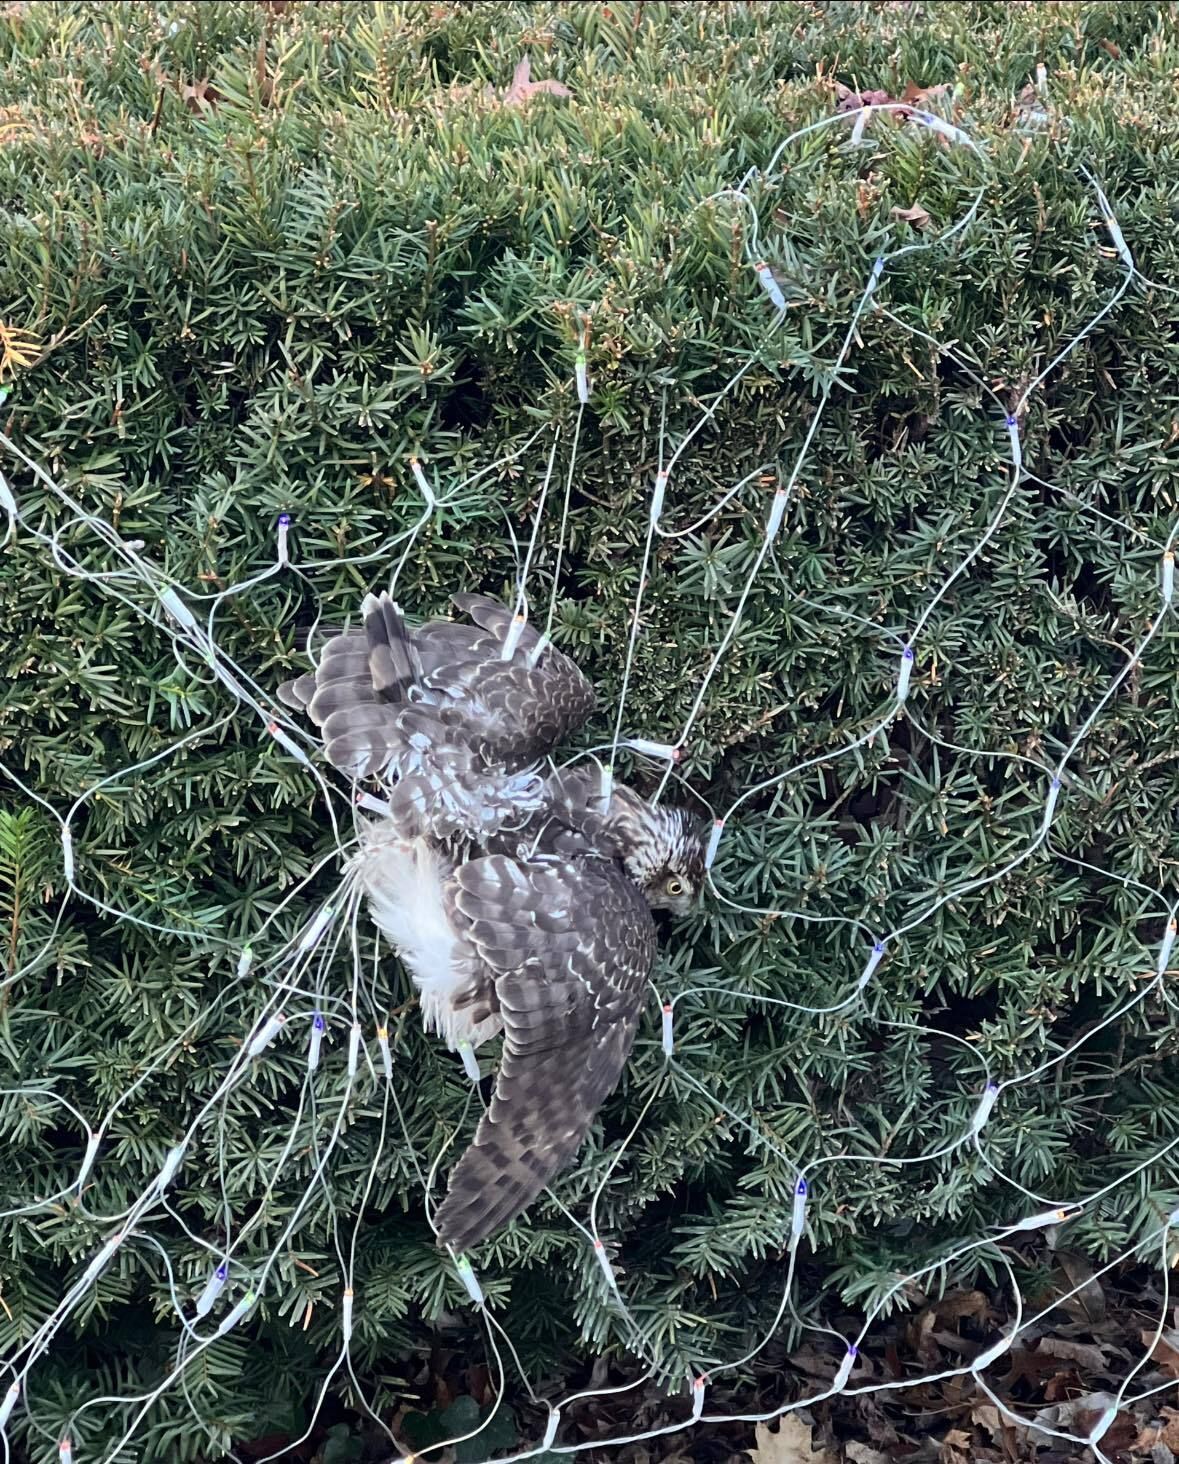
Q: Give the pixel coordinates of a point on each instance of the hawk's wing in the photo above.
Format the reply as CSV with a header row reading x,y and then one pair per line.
x,y
441,712
569,947
515,709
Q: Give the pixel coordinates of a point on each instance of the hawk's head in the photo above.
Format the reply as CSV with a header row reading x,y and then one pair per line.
x,y
662,850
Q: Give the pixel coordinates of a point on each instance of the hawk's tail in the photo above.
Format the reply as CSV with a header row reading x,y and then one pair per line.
x,y
503,1171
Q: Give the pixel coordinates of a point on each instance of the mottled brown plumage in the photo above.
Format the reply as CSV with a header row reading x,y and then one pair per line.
x,y
519,901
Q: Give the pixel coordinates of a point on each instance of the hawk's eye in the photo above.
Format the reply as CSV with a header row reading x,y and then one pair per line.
x,y
674,886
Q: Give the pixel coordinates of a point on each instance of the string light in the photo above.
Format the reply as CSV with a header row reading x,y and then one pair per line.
x,y
88,1159
231,1318
470,1061
288,744
469,1279
1056,1216
100,1261
945,129
315,1042
765,278
905,674
842,1377
874,959
985,1107
777,513
212,1289
11,511
603,1261
8,1403
512,639
427,492
178,610
1165,948
265,1035
315,931
664,751
657,496
798,1210
172,1163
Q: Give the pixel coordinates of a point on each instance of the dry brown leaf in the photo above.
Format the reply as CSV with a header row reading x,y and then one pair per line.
x,y
262,71
988,1417
1165,1432
523,88
17,348
814,1363
200,94
864,1454
793,1443
1165,1351
956,1448
916,215
921,96
1078,1416
1086,1354
961,1304
848,100
1089,1302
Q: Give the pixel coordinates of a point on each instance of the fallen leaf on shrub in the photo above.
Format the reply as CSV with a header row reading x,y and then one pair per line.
x,y
792,1444
1165,1351
920,96
200,94
848,100
916,215
17,348
1112,48
523,88
1087,1354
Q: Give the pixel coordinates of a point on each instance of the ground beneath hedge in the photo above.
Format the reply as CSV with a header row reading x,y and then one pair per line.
x,y
1117,1334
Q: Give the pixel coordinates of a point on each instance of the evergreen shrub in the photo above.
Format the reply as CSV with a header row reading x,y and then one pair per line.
x,y
253,258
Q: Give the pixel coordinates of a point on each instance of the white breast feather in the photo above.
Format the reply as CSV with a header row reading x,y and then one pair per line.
x,y
404,883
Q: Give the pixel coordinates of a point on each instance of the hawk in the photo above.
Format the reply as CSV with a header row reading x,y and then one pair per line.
x,y
518,896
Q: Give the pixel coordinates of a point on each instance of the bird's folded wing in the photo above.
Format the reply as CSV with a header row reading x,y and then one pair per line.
x,y
571,946
506,712
522,706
